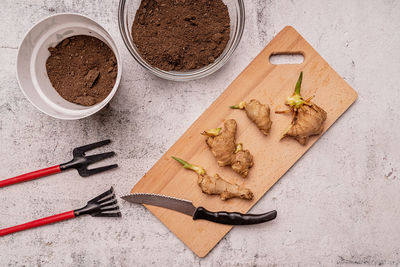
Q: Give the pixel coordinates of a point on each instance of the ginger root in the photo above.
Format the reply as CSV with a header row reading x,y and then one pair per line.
x,y
257,113
226,151
308,118
215,185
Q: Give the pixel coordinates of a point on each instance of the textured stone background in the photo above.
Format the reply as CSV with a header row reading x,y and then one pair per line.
x,y
340,204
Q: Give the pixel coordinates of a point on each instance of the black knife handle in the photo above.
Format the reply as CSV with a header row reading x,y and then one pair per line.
x,y
233,218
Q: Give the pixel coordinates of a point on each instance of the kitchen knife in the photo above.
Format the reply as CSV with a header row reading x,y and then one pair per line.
x,y
199,213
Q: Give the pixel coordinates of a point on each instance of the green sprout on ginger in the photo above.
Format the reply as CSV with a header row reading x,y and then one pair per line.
x,y
212,132
241,105
198,169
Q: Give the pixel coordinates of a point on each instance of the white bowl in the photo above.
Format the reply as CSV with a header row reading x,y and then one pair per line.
x,y
31,64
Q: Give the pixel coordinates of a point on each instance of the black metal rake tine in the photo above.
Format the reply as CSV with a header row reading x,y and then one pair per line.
x,y
87,172
106,199
80,151
108,192
113,214
112,201
109,208
95,158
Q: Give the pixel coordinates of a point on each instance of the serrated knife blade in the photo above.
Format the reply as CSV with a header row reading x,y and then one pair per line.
x,y
172,203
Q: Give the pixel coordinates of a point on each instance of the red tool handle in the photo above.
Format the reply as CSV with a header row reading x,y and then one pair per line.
x,y
51,219
30,176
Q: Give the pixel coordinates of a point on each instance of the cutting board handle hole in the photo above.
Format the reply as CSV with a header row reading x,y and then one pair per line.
x,y
286,58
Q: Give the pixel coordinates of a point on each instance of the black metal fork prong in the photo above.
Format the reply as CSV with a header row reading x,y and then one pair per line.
x,y
81,162
95,158
87,172
80,151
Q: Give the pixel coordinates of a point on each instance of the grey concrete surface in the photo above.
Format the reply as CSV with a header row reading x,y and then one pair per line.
x,y
339,205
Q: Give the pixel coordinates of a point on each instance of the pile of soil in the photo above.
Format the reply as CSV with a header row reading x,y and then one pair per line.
x,y
82,69
181,35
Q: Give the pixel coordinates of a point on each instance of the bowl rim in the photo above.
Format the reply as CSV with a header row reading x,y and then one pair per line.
x,y
105,101
189,75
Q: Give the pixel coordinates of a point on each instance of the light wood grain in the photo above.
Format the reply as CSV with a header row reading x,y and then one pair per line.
x,y
270,84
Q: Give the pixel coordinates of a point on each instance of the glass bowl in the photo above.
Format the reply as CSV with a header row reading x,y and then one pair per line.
x,y
126,15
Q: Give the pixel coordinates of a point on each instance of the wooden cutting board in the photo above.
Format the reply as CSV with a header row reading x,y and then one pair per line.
x,y
270,84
